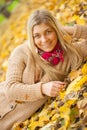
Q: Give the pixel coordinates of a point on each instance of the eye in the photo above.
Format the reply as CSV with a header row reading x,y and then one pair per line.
x,y
36,36
48,32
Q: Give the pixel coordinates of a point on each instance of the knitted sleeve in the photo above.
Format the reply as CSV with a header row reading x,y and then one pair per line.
x,y
80,31
15,88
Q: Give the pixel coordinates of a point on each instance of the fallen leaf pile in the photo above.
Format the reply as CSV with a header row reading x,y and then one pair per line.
x,y
68,111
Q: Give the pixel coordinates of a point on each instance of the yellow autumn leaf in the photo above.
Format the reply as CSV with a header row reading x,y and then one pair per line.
x,y
62,94
72,85
84,69
81,21
55,117
44,118
74,74
85,94
4,65
34,124
55,104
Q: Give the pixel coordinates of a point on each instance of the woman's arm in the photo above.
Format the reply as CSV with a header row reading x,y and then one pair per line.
x,y
77,31
80,31
69,29
15,88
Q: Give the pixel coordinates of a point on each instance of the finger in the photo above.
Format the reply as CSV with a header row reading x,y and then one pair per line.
x,y
59,82
56,90
59,86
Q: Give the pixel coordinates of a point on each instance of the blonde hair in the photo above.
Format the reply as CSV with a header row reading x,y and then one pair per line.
x,y
44,16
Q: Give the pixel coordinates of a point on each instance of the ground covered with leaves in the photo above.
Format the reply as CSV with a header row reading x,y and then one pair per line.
x,y
68,111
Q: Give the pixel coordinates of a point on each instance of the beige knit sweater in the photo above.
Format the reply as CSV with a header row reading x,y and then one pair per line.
x,y
20,94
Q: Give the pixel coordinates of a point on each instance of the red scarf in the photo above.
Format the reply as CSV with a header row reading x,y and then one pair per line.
x,y
54,57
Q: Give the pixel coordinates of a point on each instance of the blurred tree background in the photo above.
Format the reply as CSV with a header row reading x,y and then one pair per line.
x,y
13,20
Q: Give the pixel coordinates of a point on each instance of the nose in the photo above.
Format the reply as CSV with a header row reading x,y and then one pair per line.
x,y
43,39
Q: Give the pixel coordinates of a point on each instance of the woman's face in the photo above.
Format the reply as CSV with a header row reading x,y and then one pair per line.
x,y
45,37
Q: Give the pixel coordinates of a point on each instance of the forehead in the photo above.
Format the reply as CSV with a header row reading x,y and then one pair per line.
x,y
41,27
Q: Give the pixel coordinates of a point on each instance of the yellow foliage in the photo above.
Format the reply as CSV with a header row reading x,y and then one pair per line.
x,y
55,117
74,74
80,20
84,69
55,110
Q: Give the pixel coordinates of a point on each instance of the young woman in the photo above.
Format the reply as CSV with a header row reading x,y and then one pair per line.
x,y
38,67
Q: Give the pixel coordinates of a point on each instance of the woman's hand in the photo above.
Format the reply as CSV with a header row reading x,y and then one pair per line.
x,y
53,88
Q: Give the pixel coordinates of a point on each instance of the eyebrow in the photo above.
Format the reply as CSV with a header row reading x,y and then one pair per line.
x,y
44,30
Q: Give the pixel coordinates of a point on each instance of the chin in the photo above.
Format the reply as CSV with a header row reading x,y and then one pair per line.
x,y
49,50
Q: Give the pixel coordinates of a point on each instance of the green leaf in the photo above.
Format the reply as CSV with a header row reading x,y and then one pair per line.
x,y
2,18
12,6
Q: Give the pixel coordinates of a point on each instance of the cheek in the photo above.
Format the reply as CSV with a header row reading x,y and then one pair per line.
x,y
54,37
37,42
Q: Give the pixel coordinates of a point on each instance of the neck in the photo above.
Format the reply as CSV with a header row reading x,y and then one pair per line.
x,y
54,56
